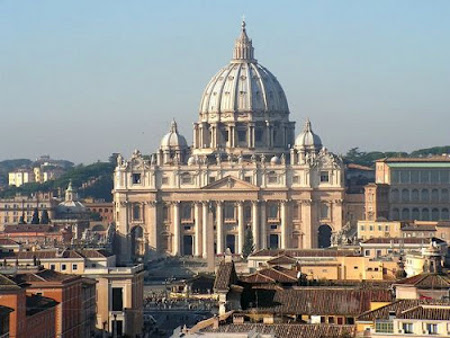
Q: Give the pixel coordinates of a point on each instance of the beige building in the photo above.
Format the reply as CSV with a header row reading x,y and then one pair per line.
x,y
327,264
11,209
119,290
21,176
410,189
245,169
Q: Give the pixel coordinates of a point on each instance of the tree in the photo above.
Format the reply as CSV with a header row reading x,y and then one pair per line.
x,y
35,219
248,246
44,217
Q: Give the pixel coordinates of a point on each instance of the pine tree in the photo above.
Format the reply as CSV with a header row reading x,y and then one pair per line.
x,y
35,219
44,217
248,246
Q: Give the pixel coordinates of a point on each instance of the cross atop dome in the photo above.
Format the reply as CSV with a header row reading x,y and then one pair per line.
x,y
173,126
243,48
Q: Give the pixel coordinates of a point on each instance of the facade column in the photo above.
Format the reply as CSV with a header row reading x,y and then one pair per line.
x,y
153,225
205,229
176,228
284,232
195,138
255,225
263,227
307,224
219,227
241,227
197,241
201,136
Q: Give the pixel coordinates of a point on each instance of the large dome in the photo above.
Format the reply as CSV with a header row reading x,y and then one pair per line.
x,y
243,85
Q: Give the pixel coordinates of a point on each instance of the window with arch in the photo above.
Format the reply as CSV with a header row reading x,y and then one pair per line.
x,y
445,214
405,195
405,214
395,195
435,214
424,195
415,195
425,214
444,195
415,214
434,195
395,214
136,212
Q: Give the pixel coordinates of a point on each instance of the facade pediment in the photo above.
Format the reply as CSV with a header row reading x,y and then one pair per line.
x,y
230,182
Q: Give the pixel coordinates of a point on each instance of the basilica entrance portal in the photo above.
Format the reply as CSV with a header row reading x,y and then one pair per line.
x,y
324,236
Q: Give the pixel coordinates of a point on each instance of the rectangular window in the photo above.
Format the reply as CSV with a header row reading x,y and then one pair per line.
x,y
136,178
367,253
52,266
242,135
407,327
186,179
379,227
211,180
296,180
273,211
384,327
117,299
186,214
165,180
432,328
324,177
74,266
273,179
63,267
248,179
166,213
258,135
229,211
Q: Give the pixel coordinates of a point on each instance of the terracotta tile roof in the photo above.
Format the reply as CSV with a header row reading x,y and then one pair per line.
x,y
427,280
286,330
27,228
395,308
36,303
225,276
49,254
295,253
8,241
282,260
319,301
427,312
7,284
278,275
290,272
257,278
359,167
45,276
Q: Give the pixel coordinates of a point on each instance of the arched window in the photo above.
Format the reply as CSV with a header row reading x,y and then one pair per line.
x,y
405,214
425,195
415,195
136,212
425,214
445,214
434,195
444,195
435,214
415,214
324,236
395,214
405,195
394,195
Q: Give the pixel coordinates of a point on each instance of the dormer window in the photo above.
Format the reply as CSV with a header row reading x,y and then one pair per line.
x,y
136,178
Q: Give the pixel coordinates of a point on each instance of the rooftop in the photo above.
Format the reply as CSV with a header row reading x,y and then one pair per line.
x,y
427,281
295,253
37,303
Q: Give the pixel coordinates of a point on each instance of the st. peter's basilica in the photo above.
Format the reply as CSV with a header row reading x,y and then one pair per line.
x,y
246,169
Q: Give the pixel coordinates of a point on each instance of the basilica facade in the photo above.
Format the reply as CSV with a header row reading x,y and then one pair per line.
x,y
245,172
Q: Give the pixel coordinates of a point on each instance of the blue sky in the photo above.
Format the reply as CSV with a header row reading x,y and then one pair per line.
x,y
82,79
